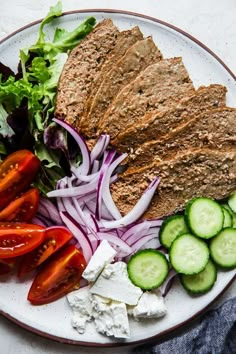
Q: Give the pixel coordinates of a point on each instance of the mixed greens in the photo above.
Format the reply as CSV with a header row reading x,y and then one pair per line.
x,y
27,100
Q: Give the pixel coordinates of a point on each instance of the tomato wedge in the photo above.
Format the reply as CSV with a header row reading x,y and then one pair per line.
x,y
17,172
23,208
55,238
58,276
19,238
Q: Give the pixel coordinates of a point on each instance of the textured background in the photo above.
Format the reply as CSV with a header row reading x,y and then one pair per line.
x,y
211,21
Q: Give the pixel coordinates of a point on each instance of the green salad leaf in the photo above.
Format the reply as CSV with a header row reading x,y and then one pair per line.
x,y
36,84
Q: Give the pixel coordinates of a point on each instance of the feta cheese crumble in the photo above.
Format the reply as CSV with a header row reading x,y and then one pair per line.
x,y
115,284
103,255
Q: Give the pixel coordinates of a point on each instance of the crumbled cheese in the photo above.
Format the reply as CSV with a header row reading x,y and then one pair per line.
x,y
110,317
103,255
80,304
115,284
150,305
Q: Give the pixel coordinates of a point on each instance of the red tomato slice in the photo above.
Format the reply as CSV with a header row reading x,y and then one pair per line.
x,y
17,172
58,276
19,238
55,238
23,208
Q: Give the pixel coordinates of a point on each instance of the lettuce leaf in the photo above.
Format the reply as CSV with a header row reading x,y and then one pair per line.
x,y
36,84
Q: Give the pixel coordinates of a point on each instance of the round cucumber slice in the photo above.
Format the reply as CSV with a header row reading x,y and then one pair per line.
x,y
148,269
232,202
202,282
188,254
223,248
204,217
228,219
172,227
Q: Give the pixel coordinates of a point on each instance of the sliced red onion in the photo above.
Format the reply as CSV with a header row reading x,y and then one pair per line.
x,y
124,248
136,230
39,221
106,194
142,241
74,191
85,165
84,178
101,180
166,286
99,147
95,166
79,234
138,209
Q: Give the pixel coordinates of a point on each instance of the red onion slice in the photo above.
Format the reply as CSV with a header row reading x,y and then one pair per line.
x,y
99,147
123,247
74,191
138,209
79,234
166,286
142,241
101,182
106,194
86,163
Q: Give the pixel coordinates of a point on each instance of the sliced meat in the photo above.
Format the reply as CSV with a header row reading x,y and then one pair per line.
x,y
155,125
215,129
160,85
137,58
211,173
81,69
125,40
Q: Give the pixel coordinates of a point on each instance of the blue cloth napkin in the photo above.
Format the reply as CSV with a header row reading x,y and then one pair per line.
x,y
214,333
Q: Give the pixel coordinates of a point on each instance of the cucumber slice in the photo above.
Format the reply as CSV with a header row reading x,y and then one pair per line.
x,y
202,282
223,248
228,219
171,228
204,217
232,202
188,254
148,269
226,206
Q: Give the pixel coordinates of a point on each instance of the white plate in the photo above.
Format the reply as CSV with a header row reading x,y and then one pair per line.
x,y
53,320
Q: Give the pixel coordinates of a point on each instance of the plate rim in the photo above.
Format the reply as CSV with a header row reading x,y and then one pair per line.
x,y
160,337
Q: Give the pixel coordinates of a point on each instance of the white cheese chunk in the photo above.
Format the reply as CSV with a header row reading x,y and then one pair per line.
x,y
150,305
103,255
115,284
80,304
110,317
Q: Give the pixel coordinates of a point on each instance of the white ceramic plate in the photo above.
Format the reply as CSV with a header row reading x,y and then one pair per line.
x,y
53,320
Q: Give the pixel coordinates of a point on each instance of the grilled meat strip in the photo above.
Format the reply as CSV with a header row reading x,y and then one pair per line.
x,y
211,173
81,68
159,86
125,40
137,58
215,129
154,125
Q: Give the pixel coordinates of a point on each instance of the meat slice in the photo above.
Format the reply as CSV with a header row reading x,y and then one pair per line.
x,y
154,125
137,58
215,129
159,86
81,68
125,40
202,172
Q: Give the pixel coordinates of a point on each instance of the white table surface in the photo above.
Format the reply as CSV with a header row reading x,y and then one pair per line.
x,y
210,21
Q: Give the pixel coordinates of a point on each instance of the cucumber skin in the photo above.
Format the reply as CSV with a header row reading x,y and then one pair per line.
x,y
219,264
198,292
186,214
229,215
232,202
172,249
138,254
226,206
166,222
